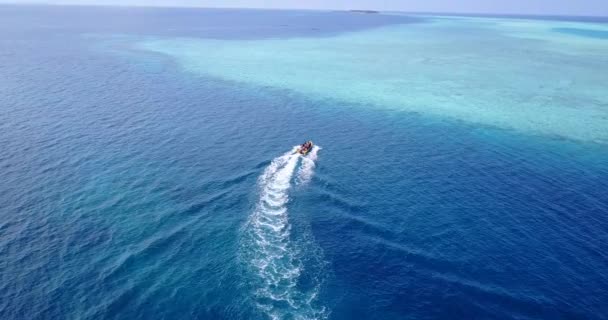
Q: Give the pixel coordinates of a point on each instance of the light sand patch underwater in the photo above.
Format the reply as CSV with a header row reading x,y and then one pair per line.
x,y
522,75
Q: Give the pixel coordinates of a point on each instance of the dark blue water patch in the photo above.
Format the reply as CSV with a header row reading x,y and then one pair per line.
x,y
191,22
418,203
587,33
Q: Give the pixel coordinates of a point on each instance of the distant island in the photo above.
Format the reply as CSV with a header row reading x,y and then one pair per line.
x,y
364,11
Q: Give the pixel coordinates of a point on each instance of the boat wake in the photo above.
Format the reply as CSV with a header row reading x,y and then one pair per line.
x,y
307,169
273,255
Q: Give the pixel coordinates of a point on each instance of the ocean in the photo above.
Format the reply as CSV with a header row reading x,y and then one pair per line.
x,y
460,167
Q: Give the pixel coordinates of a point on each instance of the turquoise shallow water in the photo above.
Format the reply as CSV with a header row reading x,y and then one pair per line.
x,y
590,33
513,74
147,172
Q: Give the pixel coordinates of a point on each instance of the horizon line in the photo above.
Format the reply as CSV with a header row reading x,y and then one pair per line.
x,y
438,13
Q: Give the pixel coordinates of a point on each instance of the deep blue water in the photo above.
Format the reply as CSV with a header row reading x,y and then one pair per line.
x,y
128,188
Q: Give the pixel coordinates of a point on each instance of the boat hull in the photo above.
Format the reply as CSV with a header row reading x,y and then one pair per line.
x,y
305,151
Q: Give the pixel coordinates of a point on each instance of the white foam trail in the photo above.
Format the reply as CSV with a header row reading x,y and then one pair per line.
x,y
271,255
307,169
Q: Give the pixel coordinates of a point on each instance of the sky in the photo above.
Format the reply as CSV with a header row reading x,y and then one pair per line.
x,y
539,7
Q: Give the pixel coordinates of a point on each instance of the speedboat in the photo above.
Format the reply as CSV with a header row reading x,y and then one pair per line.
x,y
305,148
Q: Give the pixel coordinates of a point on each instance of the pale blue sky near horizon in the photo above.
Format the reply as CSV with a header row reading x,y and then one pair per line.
x,y
536,7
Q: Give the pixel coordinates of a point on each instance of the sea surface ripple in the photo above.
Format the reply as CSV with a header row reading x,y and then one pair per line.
x,y
131,188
